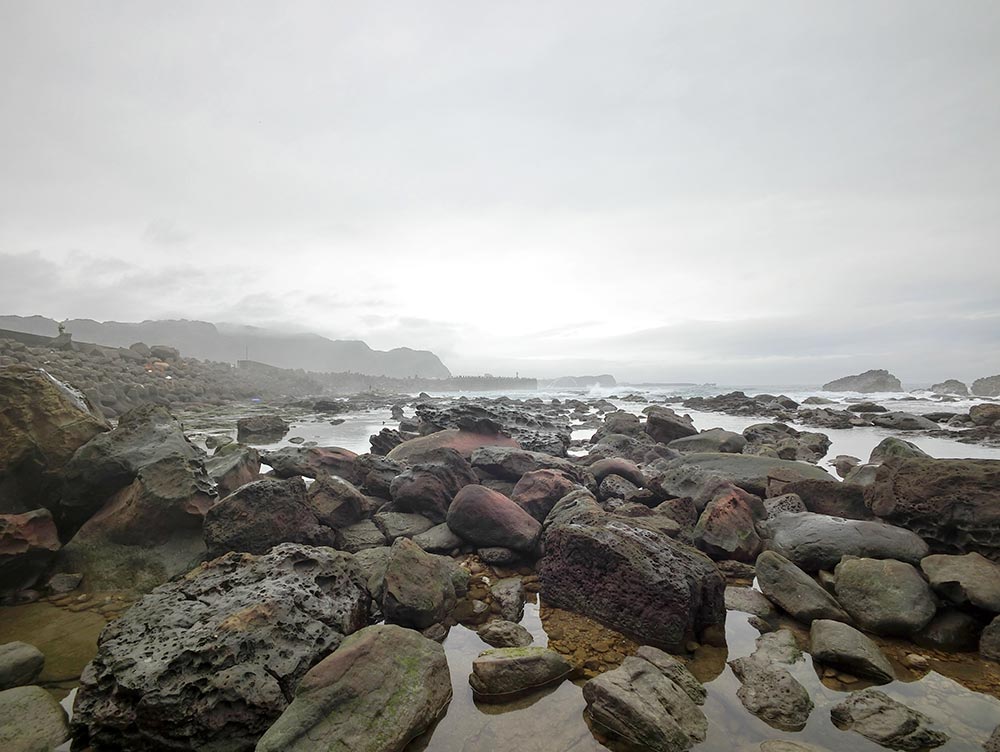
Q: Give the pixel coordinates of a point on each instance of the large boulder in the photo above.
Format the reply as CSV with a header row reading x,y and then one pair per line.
x,y
971,578
501,633
727,527
42,422
428,488
488,518
783,441
712,440
989,386
464,442
210,661
664,425
502,674
417,589
818,541
985,414
868,382
617,466
27,544
767,688
233,465
886,597
538,491
832,497
20,664
900,421
794,591
313,462
508,463
381,688
32,720
892,447
749,472
336,502
146,533
878,717
952,504
629,575
110,462
843,647
263,514
642,703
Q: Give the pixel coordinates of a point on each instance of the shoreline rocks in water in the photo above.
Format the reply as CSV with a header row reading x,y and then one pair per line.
x,y
876,380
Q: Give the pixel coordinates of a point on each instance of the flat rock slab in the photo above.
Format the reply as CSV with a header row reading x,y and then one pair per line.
x,y
381,688
844,647
878,717
504,673
971,578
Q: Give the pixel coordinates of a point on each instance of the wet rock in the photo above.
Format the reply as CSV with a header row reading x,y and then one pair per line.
x,y
487,518
401,525
675,670
862,475
382,687
637,702
233,465
616,487
428,488
620,467
985,414
712,440
867,407
27,544
892,447
876,380
43,422
993,743
64,582
878,717
727,527
835,498
843,647
499,556
508,463
900,421
794,591
784,442
417,589
767,689
844,463
949,503
438,540
361,535
223,648
989,640
263,514
538,491
950,630
749,601
664,425
335,501
571,506
415,451
951,386
971,578
818,541
32,720
751,473
261,429
312,462
20,664
501,674
886,597
505,634
632,577
508,594
375,474
147,532
784,504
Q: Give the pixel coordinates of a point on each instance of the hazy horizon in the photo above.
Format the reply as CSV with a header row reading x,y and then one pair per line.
x,y
724,192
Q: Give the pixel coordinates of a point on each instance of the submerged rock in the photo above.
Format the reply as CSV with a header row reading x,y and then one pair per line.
x,y
878,717
641,704
209,661
629,575
767,689
31,720
505,634
501,674
381,688
843,647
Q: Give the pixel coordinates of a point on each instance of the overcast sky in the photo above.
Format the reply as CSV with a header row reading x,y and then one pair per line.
x,y
761,192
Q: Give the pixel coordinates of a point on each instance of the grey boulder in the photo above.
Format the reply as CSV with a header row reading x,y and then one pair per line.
x,y
843,647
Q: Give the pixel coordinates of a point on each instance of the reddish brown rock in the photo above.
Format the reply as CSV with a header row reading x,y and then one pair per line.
x,y
487,518
26,545
538,491
617,466
312,462
463,442
727,527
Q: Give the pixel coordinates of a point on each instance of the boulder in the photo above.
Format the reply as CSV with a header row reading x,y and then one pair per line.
x,y
263,514
313,462
508,596
878,717
788,503
43,422
985,414
417,589
989,641
27,544
642,705
951,386
749,601
487,518
20,664
617,488
868,382
360,536
843,647
784,442
950,630
222,648
712,440
727,527
617,466
892,447
505,634
632,577
147,532
986,387
835,498
886,597
401,525
381,688
501,674
900,421
767,689
794,591
664,425
32,720
334,501
818,541
949,503
261,429
375,474
509,463
538,491
439,539
233,465
749,472
429,487
464,442
971,578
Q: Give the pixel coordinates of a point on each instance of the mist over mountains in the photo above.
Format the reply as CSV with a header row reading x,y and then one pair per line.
x,y
231,342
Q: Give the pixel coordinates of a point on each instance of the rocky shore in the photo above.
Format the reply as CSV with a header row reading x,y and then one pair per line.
x,y
302,597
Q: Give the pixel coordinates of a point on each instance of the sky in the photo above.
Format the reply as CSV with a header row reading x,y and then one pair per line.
x,y
775,192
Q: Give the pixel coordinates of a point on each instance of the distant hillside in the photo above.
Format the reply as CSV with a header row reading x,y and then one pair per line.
x,y
229,343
